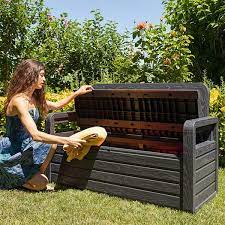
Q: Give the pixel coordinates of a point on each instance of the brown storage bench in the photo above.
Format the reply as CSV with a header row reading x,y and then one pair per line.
x,y
161,147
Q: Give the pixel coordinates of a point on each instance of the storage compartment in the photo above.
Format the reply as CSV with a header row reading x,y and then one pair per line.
x,y
161,146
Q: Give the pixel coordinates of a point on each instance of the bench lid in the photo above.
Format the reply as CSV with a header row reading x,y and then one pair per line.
x,y
143,110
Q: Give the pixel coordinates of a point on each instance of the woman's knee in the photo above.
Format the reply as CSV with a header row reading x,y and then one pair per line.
x,y
101,131
101,134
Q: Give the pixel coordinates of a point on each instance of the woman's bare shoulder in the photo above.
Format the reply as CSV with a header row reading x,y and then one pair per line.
x,y
18,101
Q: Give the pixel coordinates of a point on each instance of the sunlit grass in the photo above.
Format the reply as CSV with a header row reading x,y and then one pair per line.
x,y
66,207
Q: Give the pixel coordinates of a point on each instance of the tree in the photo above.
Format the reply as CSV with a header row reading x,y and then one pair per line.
x,y
17,18
73,52
205,22
164,55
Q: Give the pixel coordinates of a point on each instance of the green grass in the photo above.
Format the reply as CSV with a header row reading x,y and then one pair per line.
x,y
67,207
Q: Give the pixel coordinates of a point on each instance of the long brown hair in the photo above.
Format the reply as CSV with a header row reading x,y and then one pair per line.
x,y
24,76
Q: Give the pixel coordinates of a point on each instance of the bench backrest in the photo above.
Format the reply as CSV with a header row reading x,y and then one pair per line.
x,y
143,112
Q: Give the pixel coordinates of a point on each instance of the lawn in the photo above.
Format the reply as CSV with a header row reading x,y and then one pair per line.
x,y
67,207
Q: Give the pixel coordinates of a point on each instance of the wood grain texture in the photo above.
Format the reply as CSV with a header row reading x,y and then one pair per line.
x,y
205,170
125,192
174,112
205,182
205,195
199,163
136,159
205,147
121,179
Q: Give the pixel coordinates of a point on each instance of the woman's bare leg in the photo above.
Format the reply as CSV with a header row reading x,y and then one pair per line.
x,y
92,130
48,158
87,135
39,181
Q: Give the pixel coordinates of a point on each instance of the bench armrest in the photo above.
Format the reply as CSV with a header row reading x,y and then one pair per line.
x,y
200,122
57,118
200,161
194,126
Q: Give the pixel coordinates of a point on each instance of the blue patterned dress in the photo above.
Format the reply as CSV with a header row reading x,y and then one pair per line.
x,y
20,156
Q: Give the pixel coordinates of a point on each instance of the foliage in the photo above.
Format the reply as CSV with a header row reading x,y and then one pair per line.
x,y
2,88
41,123
77,54
164,55
74,53
217,109
99,47
54,97
17,18
204,21
52,42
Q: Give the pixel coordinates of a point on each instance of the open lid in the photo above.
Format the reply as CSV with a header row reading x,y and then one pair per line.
x,y
200,88
142,110
165,103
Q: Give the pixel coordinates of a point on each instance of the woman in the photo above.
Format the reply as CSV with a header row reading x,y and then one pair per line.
x,y
25,152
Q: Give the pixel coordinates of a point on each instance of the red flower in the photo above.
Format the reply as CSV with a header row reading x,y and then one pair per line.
x,y
142,26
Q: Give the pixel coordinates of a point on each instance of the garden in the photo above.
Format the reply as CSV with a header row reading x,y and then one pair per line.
x,y
187,45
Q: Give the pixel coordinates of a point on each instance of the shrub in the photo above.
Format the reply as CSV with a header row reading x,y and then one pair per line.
x,y
73,52
217,109
163,55
41,123
216,106
204,21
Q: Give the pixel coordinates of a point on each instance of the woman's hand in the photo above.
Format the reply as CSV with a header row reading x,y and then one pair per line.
x,y
60,104
84,90
77,143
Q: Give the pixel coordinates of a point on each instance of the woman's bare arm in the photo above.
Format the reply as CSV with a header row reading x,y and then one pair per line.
x,y
60,104
22,110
